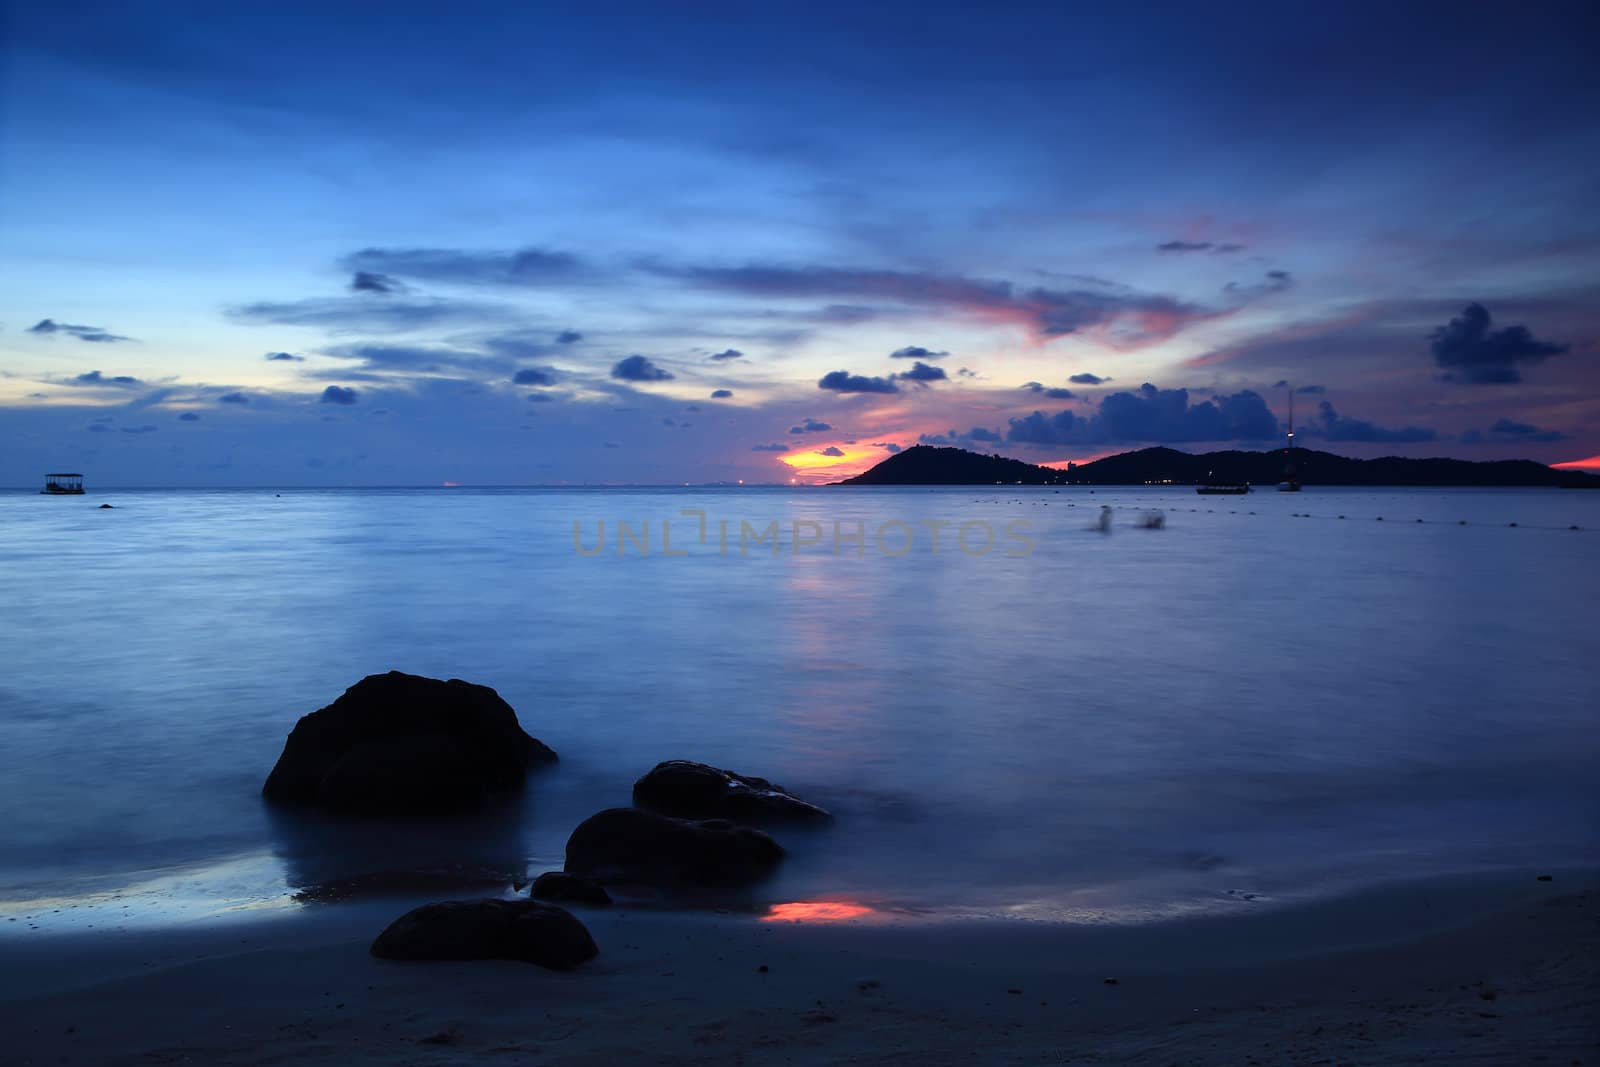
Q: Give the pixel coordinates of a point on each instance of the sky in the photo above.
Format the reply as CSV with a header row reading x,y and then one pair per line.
x,y
408,244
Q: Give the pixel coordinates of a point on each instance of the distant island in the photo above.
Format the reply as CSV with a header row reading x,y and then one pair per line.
x,y
928,465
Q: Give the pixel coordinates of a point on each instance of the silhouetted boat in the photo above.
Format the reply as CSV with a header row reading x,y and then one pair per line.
x,y
62,485
1210,488
1290,483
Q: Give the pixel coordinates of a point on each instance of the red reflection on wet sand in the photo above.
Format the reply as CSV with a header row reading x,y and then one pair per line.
x,y
815,911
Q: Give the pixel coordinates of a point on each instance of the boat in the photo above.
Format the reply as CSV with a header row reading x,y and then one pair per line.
x,y
62,485
1211,488
1290,483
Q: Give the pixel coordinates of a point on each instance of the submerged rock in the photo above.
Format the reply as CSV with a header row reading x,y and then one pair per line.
x,y
572,888
700,791
399,744
488,930
630,845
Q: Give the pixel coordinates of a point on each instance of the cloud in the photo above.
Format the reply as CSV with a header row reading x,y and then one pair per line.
x,y
979,433
285,357
1199,246
365,281
528,266
831,450
887,446
915,352
769,448
727,353
1506,430
1471,351
1054,394
568,337
1151,414
923,373
841,381
49,327
188,416
1087,379
721,394
1274,281
1336,427
811,426
1122,317
95,378
539,398
637,368
138,429
233,398
355,313
534,376
335,394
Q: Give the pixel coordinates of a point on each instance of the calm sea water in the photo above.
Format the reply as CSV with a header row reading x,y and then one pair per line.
x,y
1246,703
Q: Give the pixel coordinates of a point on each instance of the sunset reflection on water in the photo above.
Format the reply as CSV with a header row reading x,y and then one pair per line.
x,y
816,911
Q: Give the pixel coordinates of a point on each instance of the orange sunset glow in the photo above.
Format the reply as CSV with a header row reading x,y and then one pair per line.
x,y
808,459
815,911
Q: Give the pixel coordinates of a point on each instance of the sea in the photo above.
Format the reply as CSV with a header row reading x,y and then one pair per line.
x,y
1060,704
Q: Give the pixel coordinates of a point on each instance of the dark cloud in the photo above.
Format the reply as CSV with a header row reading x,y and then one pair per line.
x,y
188,416
727,353
233,398
637,368
366,281
842,381
915,352
534,376
530,266
1336,427
887,446
831,450
923,373
335,394
770,448
979,433
50,327
1087,379
1505,430
1127,317
1198,246
1312,390
721,394
964,372
811,426
1053,393
1151,414
138,429
1274,281
1471,351
94,377
415,359
568,337
285,357
354,313
541,398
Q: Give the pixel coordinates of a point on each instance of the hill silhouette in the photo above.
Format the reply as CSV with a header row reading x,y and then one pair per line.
x,y
928,465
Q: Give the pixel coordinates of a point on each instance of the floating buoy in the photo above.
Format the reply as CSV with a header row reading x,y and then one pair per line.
x,y
1380,518
1341,516
1463,522
1513,525
1574,527
1419,520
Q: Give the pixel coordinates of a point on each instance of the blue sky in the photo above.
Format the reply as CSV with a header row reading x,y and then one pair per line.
x,y
405,244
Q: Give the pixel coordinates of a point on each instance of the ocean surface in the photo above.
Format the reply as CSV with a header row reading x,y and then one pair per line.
x,y
1272,698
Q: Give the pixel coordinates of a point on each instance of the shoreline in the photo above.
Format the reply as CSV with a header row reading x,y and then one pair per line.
x,y
1494,967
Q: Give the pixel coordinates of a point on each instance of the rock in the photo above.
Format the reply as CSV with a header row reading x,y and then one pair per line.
x,y
698,791
398,744
105,506
488,930
627,844
572,888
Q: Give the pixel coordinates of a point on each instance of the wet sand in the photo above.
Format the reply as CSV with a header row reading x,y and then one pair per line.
x,y
1498,969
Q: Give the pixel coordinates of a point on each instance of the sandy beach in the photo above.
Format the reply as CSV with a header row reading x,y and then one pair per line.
x,y
1496,969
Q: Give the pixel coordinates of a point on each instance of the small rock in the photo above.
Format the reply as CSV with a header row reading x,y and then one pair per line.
x,y
488,930
1111,981
1015,992
699,791
443,1037
762,969
569,888
1545,878
630,845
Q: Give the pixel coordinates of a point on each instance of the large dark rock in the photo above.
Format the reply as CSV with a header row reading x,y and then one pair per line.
x,y
488,930
630,845
699,791
397,744
569,888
